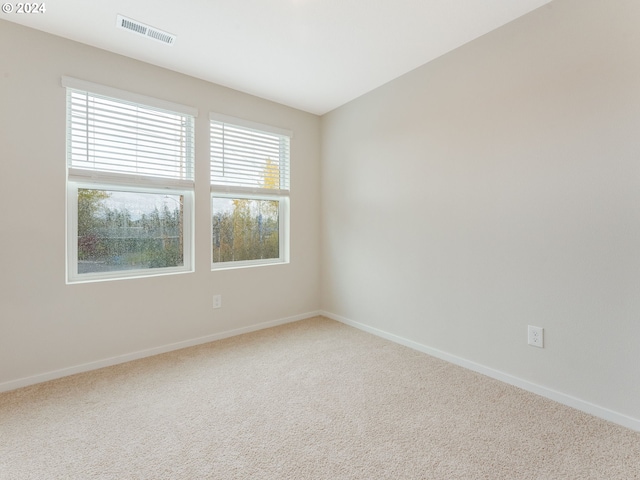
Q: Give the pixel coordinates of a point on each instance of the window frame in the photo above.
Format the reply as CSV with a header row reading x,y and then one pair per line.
x,y
282,195
103,180
283,231
72,234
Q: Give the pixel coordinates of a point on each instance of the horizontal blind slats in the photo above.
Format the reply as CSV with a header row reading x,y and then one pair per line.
x,y
123,138
246,159
118,122
117,150
122,107
124,132
167,171
239,170
132,119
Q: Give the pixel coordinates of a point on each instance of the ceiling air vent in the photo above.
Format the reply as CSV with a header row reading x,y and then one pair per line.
x,y
145,30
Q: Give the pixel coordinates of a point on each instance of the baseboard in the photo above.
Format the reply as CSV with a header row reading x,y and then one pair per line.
x,y
551,394
107,362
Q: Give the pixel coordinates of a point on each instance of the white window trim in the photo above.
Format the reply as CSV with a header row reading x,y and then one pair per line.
x,y
283,232
117,179
82,178
72,235
282,195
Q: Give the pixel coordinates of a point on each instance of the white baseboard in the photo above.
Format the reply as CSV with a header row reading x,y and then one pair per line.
x,y
107,362
578,404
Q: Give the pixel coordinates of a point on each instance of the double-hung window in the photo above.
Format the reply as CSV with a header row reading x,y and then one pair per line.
x,y
130,184
249,193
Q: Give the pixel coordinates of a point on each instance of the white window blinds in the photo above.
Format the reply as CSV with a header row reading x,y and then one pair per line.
x,y
248,157
115,140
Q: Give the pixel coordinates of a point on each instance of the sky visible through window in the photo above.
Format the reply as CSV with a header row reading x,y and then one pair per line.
x,y
138,204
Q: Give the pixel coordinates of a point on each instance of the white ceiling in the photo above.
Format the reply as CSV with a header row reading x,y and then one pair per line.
x,y
314,55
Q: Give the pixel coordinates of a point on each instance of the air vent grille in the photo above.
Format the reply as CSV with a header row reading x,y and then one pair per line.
x,y
145,30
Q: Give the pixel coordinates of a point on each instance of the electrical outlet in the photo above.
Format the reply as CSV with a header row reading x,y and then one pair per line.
x,y
217,301
535,336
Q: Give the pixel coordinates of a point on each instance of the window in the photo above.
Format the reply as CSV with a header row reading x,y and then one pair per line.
x,y
249,193
130,181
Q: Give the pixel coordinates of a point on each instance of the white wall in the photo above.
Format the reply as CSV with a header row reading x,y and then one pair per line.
x,y
496,187
47,326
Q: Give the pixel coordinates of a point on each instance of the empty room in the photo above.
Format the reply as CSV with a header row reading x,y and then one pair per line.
x,y
305,239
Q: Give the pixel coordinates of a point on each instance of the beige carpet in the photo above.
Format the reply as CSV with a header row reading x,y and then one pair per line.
x,y
310,400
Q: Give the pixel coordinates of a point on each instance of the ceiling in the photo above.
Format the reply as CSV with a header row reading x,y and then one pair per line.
x,y
314,55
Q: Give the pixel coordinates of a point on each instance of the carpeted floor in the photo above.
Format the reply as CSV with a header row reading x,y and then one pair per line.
x,y
310,400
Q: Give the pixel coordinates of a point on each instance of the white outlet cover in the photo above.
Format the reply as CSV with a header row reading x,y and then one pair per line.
x,y
535,336
217,301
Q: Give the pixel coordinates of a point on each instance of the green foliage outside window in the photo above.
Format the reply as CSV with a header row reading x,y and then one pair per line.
x,y
129,234
245,229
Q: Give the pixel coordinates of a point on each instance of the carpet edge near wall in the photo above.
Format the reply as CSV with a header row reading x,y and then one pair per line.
x,y
150,352
562,398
